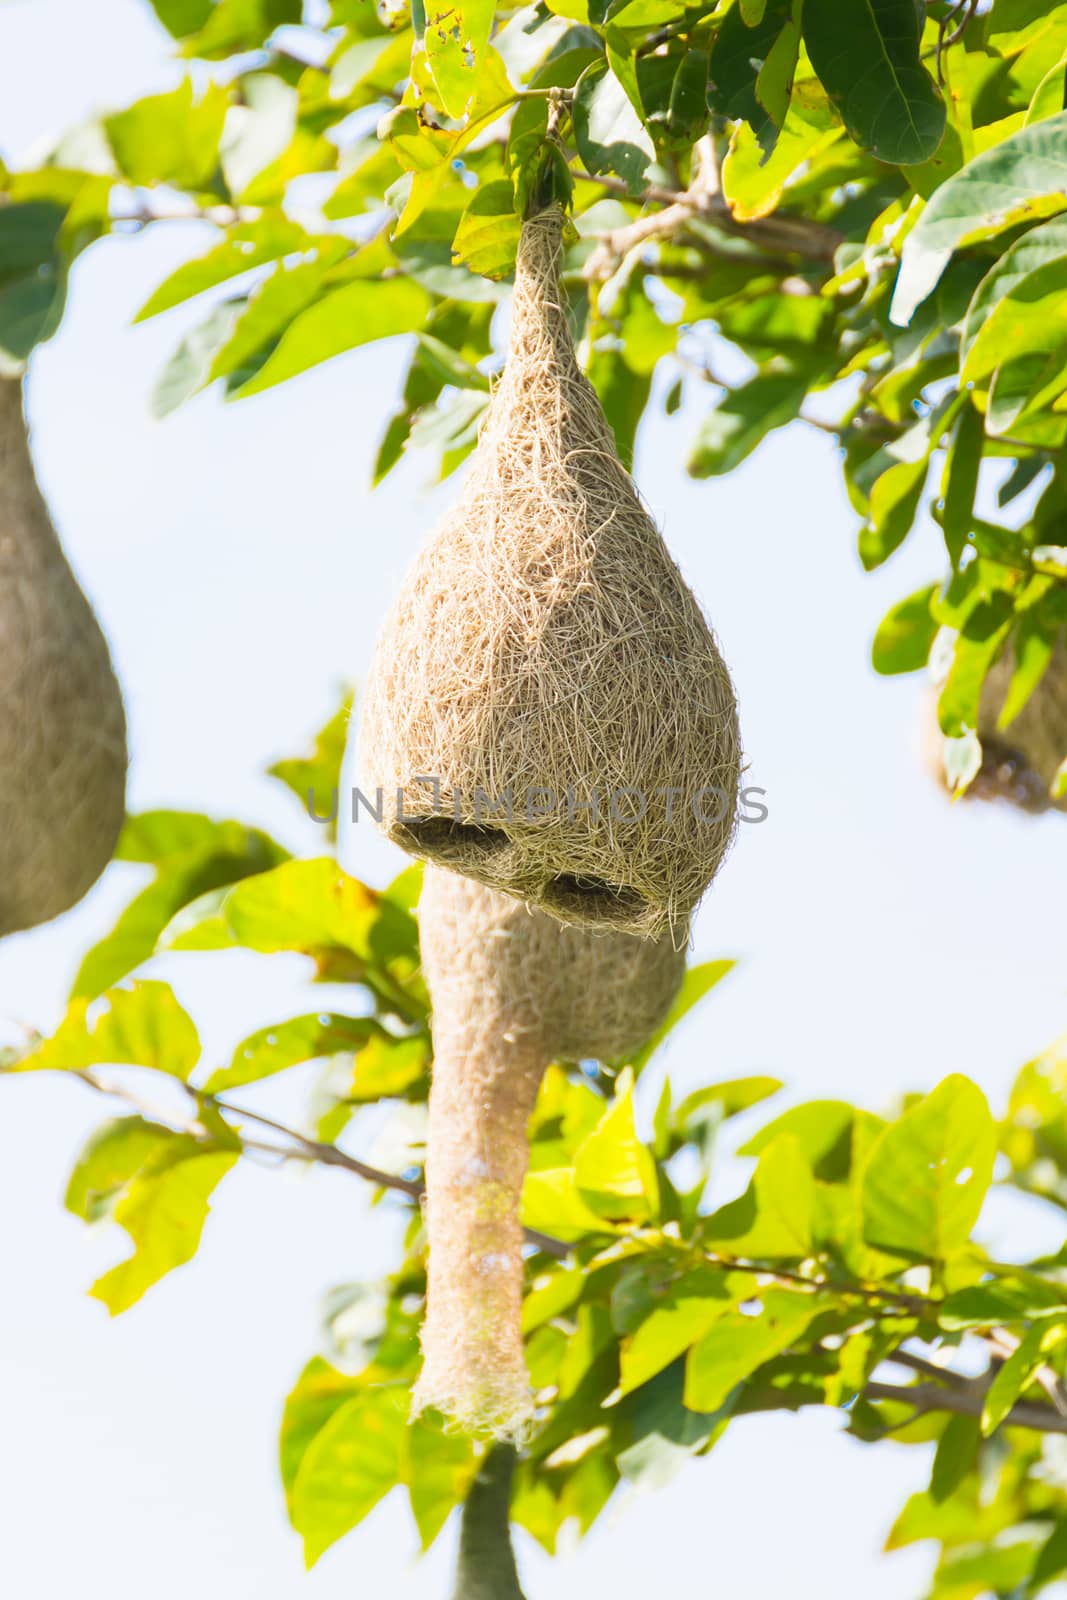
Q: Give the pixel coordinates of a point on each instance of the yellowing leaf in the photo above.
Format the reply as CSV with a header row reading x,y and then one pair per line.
x,y
613,1170
455,39
140,1025
753,186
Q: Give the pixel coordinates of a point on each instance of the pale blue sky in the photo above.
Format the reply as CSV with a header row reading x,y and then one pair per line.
x,y
240,567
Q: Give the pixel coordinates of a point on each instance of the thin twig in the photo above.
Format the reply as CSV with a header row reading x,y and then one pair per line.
x,y
900,1299
301,1147
780,234
1005,1344
928,1369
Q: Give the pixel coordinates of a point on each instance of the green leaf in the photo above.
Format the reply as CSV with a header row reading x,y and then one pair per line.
x,y
246,246
111,1159
1053,1558
438,1471
33,276
141,1025
488,234
672,1328
752,181
774,1218
170,138
724,1100
1023,177
235,26
894,502
1036,248
665,1434
867,55
1015,1376
271,308
960,482
1029,318
191,367
742,420
738,1343
978,645
319,1392
387,1067
954,1458
985,1305
455,38
343,319
905,634
1048,98
928,1173
154,1183
315,779
286,1044
309,906
193,854
350,1464
607,130
440,359
550,1295
29,236
698,982
553,1203
823,1130
739,54
182,17
1034,643
615,1173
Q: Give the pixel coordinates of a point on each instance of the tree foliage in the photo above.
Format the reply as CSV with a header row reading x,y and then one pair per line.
x,y
860,207
848,1271
862,202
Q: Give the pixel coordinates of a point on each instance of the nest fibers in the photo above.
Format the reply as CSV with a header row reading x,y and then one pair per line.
x,y
1019,761
548,711
511,990
62,727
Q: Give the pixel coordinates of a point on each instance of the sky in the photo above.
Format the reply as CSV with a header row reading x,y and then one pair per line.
x,y
241,565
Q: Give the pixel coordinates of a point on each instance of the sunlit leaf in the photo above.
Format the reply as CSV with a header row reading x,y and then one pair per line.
x,y
928,1173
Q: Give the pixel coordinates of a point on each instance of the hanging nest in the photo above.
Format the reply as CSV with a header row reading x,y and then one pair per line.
x,y
62,727
547,711
1019,762
511,991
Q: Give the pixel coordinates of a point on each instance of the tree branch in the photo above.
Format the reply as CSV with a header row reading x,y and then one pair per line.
x,y
300,1146
929,1369
899,1299
485,1564
779,234
927,1397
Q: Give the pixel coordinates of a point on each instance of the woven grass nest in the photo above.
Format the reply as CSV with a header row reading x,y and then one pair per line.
x,y
1020,761
511,990
62,726
548,711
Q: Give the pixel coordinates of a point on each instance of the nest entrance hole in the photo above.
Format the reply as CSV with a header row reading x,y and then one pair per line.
x,y
593,899
448,841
